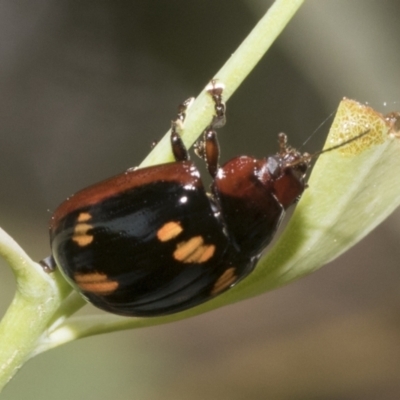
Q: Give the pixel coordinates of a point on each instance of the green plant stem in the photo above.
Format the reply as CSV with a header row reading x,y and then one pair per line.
x,y
37,296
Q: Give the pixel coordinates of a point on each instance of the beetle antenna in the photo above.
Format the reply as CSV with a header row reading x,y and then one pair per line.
x,y
308,157
317,129
338,146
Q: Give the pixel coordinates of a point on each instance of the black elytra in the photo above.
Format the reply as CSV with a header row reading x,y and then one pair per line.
x,y
152,241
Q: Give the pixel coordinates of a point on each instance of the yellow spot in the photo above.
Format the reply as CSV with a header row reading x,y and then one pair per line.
x,y
224,281
80,235
83,217
96,283
194,251
169,231
352,119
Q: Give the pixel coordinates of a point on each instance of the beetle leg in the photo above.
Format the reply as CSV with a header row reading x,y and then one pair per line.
x,y
215,90
211,151
178,148
208,148
182,111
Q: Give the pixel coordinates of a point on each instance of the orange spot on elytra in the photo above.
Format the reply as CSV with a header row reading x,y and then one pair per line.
x,y
224,281
80,236
96,283
169,231
84,216
194,251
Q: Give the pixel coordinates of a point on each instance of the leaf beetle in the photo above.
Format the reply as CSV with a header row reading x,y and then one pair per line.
x,y
152,241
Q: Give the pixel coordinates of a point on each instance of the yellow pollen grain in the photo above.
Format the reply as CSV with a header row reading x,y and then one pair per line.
x,y
194,251
169,231
96,283
224,281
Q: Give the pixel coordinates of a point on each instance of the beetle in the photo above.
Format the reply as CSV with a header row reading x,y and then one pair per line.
x,y
152,241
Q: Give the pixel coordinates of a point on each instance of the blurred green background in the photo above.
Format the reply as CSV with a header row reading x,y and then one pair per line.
x,y
86,86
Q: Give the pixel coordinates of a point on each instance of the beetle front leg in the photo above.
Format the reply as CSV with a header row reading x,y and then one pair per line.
x,y
179,150
208,147
215,90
